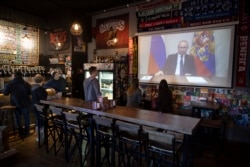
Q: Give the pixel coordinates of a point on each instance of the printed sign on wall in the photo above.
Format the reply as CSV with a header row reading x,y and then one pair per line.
x,y
158,15
110,28
59,39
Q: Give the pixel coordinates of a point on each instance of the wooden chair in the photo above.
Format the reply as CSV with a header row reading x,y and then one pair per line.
x,y
58,129
8,112
75,134
130,143
105,137
161,148
45,127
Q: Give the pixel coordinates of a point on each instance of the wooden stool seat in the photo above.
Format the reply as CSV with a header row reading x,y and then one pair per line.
x,y
7,107
4,112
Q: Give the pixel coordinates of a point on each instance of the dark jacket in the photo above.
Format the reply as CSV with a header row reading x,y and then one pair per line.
x,y
164,101
59,85
91,89
170,66
38,93
19,91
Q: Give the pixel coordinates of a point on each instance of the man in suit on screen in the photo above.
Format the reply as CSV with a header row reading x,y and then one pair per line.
x,y
179,63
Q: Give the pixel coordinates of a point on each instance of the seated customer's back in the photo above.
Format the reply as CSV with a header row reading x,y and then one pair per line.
x,y
134,94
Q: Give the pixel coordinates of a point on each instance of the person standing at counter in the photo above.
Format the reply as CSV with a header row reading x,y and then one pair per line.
x,y
134,94
57,82
20,92
91,86
165,98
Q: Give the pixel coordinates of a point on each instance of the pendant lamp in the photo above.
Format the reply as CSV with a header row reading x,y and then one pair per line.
x,y
76,29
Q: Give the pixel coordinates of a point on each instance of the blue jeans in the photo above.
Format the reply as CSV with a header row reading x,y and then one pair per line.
x,y
39,122
26,115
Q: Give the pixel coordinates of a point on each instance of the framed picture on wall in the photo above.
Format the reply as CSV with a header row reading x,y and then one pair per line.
x,y
112,32
78,44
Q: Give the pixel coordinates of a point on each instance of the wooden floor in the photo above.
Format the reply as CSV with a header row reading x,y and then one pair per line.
x,y
29,155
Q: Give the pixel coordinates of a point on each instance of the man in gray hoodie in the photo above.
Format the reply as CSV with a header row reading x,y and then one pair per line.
x,y
91,86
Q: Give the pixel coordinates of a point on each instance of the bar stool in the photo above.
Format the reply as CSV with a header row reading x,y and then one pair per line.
x,y
5,111
45,127
58,129
161,148
75,134
105,137
130,143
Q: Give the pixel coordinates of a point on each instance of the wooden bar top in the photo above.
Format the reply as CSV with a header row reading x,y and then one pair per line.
x,y
177,123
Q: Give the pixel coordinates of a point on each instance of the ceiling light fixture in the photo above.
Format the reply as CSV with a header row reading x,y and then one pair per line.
x,y
76,29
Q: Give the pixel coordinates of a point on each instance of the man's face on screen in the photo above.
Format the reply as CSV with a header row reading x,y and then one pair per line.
x,y
182,48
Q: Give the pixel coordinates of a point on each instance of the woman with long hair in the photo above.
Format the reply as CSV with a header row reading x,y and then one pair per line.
x,y
134,94
165,98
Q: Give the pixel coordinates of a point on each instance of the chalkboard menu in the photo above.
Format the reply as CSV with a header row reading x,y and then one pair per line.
x,y
18,44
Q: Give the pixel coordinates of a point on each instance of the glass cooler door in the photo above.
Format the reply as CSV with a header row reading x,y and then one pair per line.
x,y
106,83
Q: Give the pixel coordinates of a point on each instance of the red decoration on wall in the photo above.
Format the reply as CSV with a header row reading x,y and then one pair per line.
x,y
113,27
243,44
59,39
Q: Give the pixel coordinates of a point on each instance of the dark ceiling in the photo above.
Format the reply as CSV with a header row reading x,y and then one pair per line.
x,y
46,8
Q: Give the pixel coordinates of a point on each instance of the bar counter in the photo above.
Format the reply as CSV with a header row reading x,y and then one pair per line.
x,y
177,123
181,124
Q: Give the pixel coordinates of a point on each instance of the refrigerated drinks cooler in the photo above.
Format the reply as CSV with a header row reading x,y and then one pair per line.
x,y
105,76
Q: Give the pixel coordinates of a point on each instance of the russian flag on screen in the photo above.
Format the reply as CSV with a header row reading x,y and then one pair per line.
x,y
203,50
157,57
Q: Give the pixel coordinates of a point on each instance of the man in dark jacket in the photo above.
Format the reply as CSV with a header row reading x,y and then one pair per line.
x,y
57,82
179,63
20,92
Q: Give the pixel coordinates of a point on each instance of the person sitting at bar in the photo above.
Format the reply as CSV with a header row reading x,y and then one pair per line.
x,y
37,93
134,94
165,98
57,82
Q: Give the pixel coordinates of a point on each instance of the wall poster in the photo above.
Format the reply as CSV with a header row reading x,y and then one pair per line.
x,y
113,27
59,39
78,44
18,44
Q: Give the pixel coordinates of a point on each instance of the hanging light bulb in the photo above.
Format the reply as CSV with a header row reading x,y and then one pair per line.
x,y
115,40
76,29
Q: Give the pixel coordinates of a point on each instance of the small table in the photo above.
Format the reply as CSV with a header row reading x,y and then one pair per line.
x,y
197,106
210,119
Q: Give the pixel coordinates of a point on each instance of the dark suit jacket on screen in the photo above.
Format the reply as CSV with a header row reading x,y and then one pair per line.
x,y
170,66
